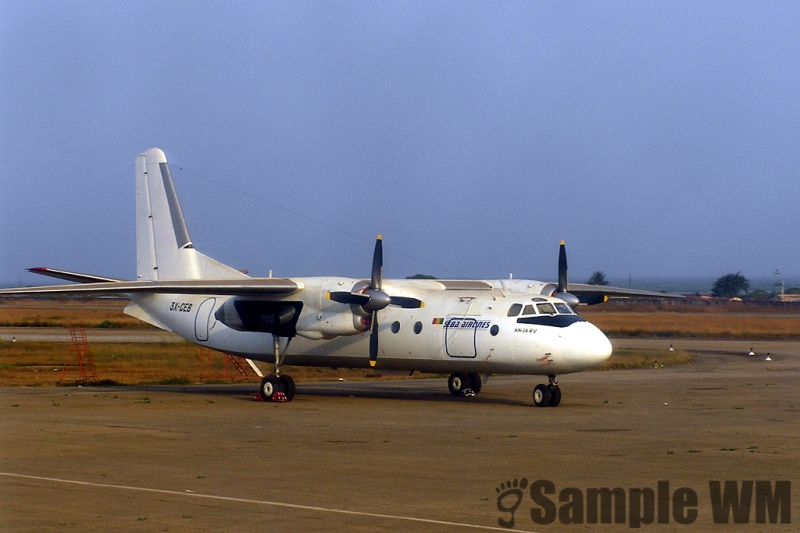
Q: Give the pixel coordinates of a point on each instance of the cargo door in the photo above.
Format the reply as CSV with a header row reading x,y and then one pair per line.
x,y
460,329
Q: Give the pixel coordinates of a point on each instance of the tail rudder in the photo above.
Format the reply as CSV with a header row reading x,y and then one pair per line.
x,y
164,250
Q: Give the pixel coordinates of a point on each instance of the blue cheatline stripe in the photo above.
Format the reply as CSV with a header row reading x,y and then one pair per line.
x,y
558,321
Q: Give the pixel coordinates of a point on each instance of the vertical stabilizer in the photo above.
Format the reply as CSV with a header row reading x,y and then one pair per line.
x,y
164,250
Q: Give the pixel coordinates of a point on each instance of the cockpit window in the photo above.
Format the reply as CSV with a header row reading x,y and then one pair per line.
x,y
546,309
514,309
564,309
528,310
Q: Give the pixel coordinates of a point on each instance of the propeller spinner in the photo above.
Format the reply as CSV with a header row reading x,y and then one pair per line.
x,y
373,299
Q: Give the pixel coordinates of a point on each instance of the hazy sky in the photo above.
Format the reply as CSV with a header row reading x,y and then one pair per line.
x,y
656,138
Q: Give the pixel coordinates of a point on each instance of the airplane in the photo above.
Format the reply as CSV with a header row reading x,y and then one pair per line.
x,y
468,329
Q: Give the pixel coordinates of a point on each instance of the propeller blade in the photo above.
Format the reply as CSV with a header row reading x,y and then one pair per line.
x,y
406,303
376,281
563,278
349,298
373,340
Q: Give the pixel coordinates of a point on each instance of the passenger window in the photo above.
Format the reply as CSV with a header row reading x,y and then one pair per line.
x,y
514,309
528,310
546,309
564,309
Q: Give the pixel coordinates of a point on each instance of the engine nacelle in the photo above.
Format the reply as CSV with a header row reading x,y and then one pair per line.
x,y
349,320
277,317
526,286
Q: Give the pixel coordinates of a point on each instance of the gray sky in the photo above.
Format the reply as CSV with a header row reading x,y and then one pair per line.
x,y
656,138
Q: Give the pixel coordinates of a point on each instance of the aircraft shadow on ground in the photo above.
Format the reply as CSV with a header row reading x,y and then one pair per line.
x,y
358,389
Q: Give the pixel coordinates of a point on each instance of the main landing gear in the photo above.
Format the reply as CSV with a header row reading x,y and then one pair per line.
x,y
277,387
464,384
547,395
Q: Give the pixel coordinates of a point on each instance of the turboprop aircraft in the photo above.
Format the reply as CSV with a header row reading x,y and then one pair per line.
x,y
465,328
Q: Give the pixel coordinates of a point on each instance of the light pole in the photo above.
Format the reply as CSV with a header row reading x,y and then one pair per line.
x,y
778,282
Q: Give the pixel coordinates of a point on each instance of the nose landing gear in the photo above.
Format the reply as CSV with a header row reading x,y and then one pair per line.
x,y
547,395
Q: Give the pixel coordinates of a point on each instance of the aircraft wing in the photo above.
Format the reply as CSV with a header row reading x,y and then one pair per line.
x,y
591,294
233,287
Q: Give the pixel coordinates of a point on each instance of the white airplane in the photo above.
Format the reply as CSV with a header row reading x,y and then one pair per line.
x,y
467,329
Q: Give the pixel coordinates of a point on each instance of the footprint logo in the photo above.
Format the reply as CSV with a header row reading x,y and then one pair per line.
x,y
510,496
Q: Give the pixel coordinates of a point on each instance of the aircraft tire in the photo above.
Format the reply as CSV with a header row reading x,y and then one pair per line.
x,y
475,382
458,382
555,396
541,396
270,386
289,387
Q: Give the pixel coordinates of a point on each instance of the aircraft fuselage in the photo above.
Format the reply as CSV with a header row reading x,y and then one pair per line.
x,y
463,330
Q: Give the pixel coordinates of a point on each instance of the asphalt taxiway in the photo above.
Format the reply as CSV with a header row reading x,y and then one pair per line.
x,y
393,455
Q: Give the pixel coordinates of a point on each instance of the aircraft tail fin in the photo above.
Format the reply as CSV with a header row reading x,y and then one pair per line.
x,y
164,250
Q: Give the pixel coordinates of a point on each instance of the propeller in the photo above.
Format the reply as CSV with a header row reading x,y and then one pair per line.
x,y
373,299
563,279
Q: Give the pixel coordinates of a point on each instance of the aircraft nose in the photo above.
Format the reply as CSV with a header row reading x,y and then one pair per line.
x,y
585,346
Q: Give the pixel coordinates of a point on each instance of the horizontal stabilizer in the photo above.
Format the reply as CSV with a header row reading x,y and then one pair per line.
x,y
70,276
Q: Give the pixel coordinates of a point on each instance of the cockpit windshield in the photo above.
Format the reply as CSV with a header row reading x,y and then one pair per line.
x,y
564,309
514,309
546,308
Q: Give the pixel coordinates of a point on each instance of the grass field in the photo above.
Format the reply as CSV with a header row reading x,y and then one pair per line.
x,y
91,313
41,364
730,320
674,324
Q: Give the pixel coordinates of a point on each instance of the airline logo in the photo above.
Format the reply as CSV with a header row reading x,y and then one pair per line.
x,y
462,322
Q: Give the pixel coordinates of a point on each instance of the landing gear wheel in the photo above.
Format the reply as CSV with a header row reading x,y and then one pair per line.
x,y
458,383
555,396
271,387
541,396
288,387
475,382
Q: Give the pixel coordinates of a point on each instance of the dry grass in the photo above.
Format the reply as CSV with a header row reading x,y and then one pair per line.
x,y
726,320
695,307
41,364
671,324
91,313
626,359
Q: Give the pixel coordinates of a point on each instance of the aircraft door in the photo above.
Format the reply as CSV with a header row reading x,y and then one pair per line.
x,y
460,330
459,340
203,318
